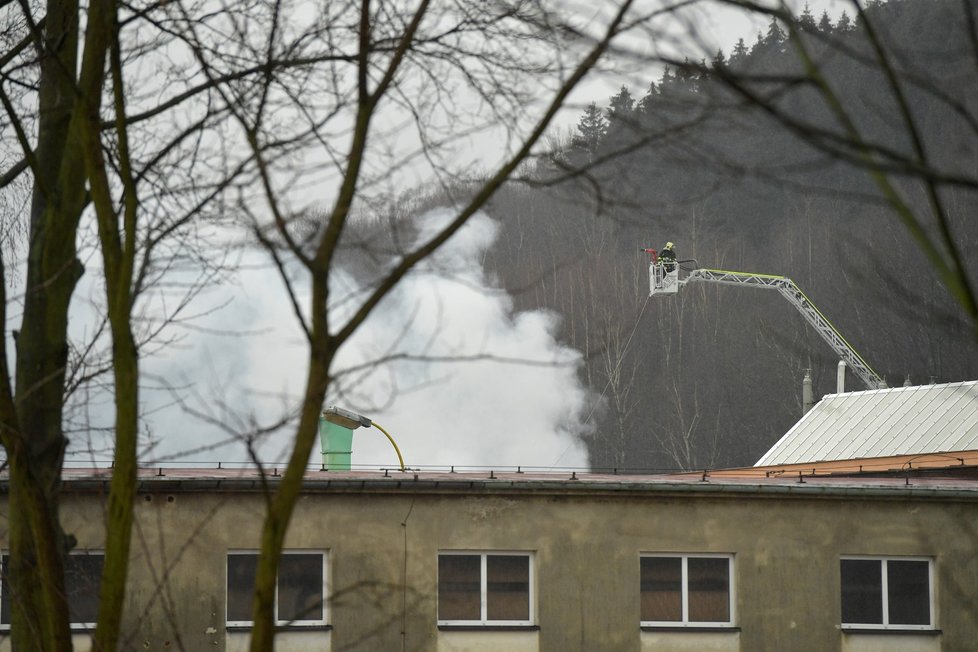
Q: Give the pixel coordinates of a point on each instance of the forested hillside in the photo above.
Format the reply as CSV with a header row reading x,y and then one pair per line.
x,y
712,377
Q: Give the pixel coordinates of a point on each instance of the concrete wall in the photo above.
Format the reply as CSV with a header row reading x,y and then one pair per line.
x,y
469,641
291,641
718,641
586,558
891,643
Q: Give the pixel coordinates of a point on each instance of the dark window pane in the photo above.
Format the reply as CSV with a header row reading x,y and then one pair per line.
x,y
459,587
4,593
862,591
300,587
508,587
241,585
908,592
662,597
83,576
709,589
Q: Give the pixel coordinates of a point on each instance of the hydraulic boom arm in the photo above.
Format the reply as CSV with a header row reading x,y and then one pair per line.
x,y
802,303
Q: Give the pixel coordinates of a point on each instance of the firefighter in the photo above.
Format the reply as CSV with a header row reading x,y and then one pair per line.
x,y
668,257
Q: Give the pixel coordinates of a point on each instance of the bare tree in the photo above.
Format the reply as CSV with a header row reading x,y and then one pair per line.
x,y
436,43
168,127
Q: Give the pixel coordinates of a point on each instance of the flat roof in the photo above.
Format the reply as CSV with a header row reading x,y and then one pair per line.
x,y
490,482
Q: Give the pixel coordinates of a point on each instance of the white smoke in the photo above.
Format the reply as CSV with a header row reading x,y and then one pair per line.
x,y
473,382
522,405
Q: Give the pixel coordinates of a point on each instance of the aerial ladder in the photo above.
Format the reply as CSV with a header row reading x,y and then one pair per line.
x,y
664,281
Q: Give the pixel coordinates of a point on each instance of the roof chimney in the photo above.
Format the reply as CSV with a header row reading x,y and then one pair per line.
x,y
807,396
840,378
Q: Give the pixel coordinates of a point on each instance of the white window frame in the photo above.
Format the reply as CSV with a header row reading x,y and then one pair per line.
x,y
484,621
685,621
74,625
282,623
886,626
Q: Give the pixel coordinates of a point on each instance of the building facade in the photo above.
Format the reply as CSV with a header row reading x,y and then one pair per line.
x,y
455,562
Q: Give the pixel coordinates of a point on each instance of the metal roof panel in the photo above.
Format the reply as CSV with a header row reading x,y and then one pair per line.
x,y
883,422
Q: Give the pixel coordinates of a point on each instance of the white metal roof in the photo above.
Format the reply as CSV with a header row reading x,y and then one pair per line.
x,y
882,423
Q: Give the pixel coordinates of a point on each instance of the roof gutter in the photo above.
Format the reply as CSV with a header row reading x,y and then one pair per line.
x,y
808,488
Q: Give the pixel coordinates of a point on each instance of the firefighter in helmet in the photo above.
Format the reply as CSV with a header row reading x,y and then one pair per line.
x,y
668,257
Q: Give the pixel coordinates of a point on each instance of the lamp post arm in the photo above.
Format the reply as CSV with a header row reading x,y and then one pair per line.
x,y
393,443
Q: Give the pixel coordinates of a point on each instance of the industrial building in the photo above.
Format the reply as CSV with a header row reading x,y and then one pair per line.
x,y
797,555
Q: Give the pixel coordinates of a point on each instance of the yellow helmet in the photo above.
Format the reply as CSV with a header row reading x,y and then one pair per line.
x,y
668,245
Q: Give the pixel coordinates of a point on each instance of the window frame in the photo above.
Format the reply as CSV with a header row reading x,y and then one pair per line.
x,y
484,620
885,598
298,624
74,625
685,622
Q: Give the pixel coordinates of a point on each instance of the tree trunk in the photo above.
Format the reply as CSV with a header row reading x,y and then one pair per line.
x,y
36,443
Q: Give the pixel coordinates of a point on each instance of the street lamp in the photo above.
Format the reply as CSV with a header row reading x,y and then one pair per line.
x,y
336,426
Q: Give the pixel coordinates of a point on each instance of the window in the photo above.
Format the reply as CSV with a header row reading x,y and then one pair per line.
x,y
485,588
83,579
887,593
686,590
299,591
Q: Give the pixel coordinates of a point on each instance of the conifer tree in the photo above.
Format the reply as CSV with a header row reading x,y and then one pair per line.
x,y
775,36
621,119
807,20
646,104
621,108
825,23
845,23
719,60
591,129
740,53
666,82
685,78
758,46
